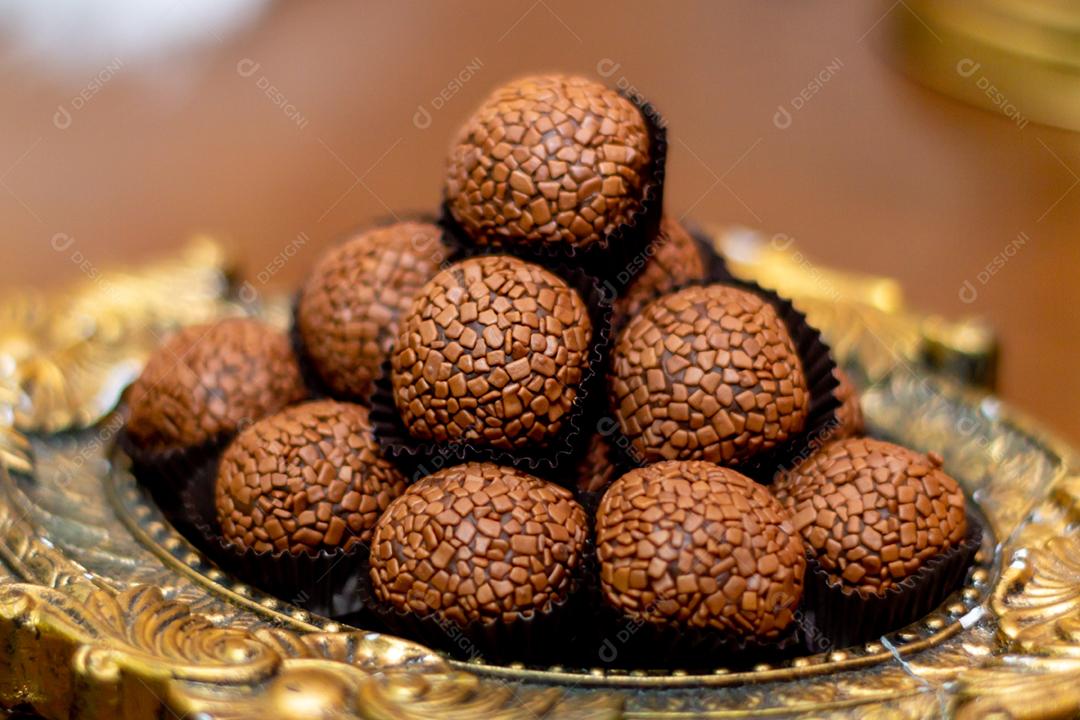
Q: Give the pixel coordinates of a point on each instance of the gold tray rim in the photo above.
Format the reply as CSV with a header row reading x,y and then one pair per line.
x,y
134,506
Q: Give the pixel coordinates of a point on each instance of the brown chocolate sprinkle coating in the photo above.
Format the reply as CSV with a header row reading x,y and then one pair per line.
x,y
492,352
700,546
205,381
873,512
548,159
849,415
675,261
478,542
308,478
595,471
349,307
710,373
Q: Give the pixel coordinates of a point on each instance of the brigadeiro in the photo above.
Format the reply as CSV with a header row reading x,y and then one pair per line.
x,y
674,260
707,372
492,353
197,390
309,478
489,549
887,530
849,417
595,471
696,550
291,503
557,164
348,310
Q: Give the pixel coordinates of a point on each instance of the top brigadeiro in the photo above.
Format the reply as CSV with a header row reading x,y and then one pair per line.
x,y
549,159
348,309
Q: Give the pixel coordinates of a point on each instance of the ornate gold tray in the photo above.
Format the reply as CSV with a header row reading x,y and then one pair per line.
x,y
106,612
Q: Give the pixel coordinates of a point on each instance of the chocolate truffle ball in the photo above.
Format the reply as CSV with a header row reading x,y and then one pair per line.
x,y
595,471
348,312
675,260
205,381
309,478
849,417
696,545
873,512
478,542
707,373
548,159
492,352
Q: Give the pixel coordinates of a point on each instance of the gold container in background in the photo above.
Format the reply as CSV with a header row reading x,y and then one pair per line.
x,y
1019,58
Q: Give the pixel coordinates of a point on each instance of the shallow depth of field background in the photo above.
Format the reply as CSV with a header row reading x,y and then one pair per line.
x,y
128,125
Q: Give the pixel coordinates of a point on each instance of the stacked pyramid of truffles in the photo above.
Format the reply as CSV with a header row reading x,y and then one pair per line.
x,y
550,407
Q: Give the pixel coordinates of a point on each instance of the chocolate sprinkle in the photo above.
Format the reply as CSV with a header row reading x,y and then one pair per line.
x,y
309,478
696,544
206,381
492,352
708,372
548,159
872,512
478,541
348,311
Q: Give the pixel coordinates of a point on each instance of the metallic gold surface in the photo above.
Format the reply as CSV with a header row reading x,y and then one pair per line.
x,y
106,612
1018,58
65,358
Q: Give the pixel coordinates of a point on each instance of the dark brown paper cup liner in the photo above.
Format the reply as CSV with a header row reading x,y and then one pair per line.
x,y
330,583
554,461
818,365
167,474
714,265
539,639
716,269
843,616
317,387
590,466
627,643
618,251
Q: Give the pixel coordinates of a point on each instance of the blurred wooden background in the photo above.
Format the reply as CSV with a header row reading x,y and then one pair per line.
x,y
304,119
